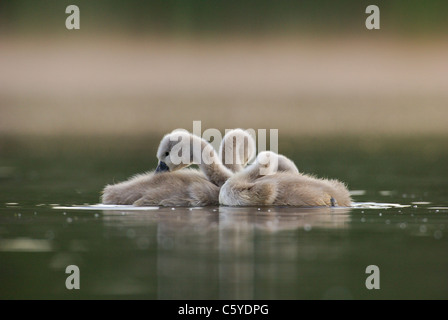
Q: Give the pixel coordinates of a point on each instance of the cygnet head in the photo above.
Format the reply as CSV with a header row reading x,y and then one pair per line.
x,y
174,151
237,149
270,162
180,148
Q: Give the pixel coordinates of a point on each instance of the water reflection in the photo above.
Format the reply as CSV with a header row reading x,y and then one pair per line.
x,y
201,220
285,218
247,242
223,252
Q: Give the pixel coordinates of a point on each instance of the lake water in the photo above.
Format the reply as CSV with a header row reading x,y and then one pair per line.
x,y
399,222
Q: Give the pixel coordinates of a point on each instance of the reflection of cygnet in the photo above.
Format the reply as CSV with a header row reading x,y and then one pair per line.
x,y
282,218
170,186
265,183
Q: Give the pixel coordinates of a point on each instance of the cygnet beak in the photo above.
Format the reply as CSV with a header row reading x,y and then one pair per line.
x,y
162,167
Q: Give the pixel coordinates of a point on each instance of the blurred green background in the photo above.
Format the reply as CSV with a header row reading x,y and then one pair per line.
x,y
249,17
145,68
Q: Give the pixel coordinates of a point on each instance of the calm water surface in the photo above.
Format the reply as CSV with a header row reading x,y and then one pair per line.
x,y
222,252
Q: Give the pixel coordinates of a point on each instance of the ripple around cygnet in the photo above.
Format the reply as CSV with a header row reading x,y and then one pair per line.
x,y
377,205
355,205
105,207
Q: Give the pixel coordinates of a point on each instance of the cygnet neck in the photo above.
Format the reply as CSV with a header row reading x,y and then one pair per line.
x,y
209,162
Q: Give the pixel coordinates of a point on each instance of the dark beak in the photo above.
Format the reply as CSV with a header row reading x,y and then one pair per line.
x,y
162,167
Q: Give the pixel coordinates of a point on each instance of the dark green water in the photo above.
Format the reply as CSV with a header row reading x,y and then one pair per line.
x,y
219,252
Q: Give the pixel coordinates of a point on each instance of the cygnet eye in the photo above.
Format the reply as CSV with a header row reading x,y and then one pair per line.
x,y
167,154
